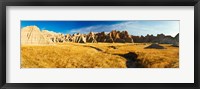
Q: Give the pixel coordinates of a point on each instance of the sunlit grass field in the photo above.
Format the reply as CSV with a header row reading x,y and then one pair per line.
x,y
98,55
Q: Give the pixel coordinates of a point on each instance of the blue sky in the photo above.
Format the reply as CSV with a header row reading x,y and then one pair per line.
x,y
134,27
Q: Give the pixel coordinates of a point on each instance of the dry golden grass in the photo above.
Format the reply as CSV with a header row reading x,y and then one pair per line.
x,y
97,55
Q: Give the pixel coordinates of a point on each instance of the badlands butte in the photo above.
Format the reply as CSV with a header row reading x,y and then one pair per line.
x,y
115,49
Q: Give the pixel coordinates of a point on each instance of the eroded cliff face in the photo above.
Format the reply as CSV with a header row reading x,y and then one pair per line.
x,y
160,38
33,35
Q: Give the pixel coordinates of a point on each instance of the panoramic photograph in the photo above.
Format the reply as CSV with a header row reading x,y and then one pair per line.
x,y
100,44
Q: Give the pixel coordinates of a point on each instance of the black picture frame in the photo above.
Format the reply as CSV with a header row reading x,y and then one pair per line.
x,y
4,3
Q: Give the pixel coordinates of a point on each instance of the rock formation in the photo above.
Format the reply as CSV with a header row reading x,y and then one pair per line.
x,y
33,35
177,37
154,46
109,38
50,35
79,38
114,36
101,37
127,38
176,43
59,38
160,38
68,38
53,36
91,37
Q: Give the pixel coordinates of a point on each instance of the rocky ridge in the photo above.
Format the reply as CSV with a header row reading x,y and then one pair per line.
x,y
33,35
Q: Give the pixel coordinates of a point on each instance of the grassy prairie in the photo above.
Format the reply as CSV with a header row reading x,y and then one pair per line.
x,y
98,55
